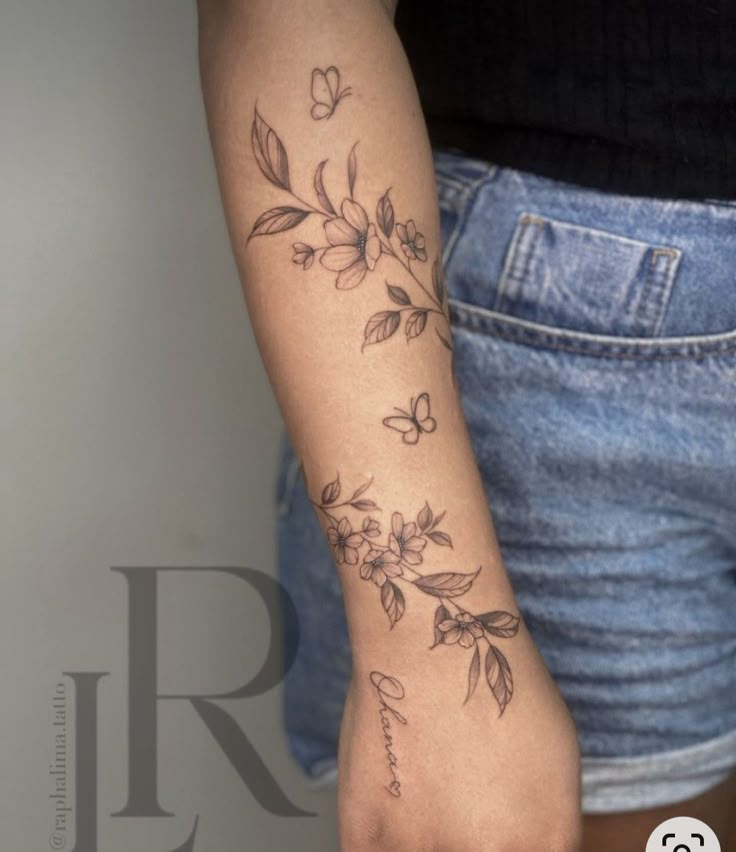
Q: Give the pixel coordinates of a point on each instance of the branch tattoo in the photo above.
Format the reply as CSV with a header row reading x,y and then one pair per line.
x,y
355,244
396,555
395,560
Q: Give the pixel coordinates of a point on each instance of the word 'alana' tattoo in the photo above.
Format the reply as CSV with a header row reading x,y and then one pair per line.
x,y
389,689
326,92
356,243
413,422
396,558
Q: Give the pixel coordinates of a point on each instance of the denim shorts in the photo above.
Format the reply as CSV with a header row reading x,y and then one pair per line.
x,y
595,351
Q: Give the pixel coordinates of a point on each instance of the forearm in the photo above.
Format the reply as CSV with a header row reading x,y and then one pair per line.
x,y
329,195
345,293
360,328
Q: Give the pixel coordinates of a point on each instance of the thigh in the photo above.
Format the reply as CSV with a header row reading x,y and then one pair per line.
x,y
316,684
630,831
595,346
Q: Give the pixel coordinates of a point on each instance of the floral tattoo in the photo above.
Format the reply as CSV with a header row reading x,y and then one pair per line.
x,y
356,244
395,559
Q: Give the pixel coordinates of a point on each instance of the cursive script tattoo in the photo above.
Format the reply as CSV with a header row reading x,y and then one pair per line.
x,y
326,92
356,243
395,559
389,689
412,423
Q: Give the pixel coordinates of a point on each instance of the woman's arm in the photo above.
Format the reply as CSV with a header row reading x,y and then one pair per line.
x,y
327,181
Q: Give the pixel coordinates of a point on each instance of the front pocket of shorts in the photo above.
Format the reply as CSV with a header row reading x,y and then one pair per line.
x,y
585,279
451,198
475,319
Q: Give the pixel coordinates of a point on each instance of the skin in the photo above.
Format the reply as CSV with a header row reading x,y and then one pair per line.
x,y
508,783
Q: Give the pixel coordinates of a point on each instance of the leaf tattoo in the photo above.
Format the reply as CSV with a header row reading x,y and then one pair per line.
x,y
442,613
498,675
352,169
385,214
398,295
445,342
270,154
331,491
473,673
319,188
392,599
440,538
381,326
425,517
395,558
416,324
448,584
278,219
502,624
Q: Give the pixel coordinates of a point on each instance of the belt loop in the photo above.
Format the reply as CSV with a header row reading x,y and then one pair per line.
x,y
655,292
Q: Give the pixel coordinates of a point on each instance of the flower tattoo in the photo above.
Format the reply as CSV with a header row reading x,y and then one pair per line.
x,y
345,542
464,628
380,565
412,242
404,542
354,245
303,255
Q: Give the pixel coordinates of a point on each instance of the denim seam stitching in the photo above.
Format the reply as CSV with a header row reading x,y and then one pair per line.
x,y
449,180
524,222
646,350
466,202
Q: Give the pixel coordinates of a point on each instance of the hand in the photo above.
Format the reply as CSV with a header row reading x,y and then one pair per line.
x,y
421,772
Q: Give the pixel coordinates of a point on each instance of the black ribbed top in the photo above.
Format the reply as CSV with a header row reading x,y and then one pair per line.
x,y
632,96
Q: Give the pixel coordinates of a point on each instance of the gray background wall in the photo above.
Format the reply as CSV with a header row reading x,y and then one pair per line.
x,y
137,423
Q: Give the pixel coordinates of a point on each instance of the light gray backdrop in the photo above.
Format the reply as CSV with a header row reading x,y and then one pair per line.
x,y
138,427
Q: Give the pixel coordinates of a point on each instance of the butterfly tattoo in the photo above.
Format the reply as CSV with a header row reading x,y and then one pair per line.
x,y
326,92
412,423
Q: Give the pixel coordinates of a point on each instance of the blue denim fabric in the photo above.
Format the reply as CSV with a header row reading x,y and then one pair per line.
x,y
595,349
